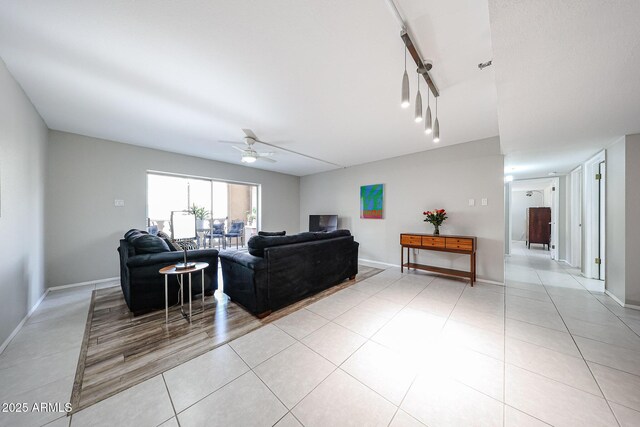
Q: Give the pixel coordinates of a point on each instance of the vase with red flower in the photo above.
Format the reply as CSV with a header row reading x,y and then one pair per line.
x,y
436,218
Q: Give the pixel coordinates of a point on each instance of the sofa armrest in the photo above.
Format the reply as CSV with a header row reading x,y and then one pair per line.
x,y
244,259
167,258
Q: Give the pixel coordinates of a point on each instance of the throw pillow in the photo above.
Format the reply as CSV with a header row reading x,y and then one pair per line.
x,y
148,244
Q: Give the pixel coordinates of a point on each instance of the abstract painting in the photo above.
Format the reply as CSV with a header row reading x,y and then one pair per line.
x,y
371,201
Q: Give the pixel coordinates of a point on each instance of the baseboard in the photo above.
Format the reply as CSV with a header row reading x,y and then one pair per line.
x,y
566,262
382,264
616,299
490,282
91,282
23,321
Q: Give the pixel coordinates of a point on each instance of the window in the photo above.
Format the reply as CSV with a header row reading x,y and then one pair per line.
x,y
223,202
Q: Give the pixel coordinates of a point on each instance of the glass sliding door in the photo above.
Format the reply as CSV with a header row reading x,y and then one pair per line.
x,y
216,203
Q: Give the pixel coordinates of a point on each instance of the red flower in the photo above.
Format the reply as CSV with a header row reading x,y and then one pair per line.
x,y
424,213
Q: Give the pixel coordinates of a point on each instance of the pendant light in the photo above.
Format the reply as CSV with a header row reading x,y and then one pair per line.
x,y
405,83
427,126
418,114
436,126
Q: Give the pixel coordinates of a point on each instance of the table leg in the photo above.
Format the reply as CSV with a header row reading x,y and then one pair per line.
x,y
401,259
472,268
166,298
181,293
203,292
189,297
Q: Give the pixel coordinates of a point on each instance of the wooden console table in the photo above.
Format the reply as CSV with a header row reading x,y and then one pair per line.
x,y
456,244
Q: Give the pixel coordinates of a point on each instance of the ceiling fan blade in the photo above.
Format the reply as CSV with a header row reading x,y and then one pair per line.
x,y
250,133
266,159
266,153
242,150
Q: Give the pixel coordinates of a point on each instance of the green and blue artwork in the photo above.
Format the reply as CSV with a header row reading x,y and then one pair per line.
x,y
371,201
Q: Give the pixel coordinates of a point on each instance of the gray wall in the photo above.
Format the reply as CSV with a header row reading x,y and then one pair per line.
x,y
443,178
23,142
520,202
616,215
86,175
632,191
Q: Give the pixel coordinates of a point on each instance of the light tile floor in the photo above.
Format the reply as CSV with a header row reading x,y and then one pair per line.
x,y
395,350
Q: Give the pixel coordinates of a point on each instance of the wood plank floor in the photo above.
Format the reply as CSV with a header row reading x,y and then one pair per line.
x,y
120,351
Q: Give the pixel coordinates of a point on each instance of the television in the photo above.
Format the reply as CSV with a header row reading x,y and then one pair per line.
x,y
323,222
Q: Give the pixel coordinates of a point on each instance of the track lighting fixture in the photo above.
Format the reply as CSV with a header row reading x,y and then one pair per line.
x,y
418,113
427,125
405,83
436,126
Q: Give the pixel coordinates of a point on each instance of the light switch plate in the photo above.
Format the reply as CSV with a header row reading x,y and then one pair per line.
x,y
484,202
472,202
118,203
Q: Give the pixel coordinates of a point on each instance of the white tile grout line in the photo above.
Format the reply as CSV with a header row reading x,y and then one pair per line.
x,y
576,344
175,414
580,351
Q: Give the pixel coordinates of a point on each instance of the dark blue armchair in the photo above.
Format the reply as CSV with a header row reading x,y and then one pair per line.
x,y
237,231
217,232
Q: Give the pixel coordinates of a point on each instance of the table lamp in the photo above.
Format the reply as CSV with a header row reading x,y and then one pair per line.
x,y
183,226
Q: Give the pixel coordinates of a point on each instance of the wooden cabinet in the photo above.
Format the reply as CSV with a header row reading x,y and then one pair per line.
x,y
455,244
538,227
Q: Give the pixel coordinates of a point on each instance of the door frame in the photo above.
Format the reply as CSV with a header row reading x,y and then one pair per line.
x,y
555,214
575,218
591,215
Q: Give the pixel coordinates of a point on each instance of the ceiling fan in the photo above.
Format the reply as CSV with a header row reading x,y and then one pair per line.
x,y
249,154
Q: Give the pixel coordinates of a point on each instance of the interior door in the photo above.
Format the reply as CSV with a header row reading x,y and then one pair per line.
x,y
601,220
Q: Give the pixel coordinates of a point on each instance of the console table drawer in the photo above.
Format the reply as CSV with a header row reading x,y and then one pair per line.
x,y
456,243
433,242
407,239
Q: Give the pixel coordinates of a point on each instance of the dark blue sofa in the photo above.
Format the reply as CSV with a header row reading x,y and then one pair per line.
x,y
280,270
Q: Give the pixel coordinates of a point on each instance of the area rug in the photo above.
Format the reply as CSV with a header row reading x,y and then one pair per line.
x,y
119,350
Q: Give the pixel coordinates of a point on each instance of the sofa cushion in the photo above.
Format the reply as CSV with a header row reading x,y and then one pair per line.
x,y
272,233
133,232
257,244
321,235
148,244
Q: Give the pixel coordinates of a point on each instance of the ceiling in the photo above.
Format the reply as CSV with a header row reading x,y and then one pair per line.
x,y
318,77
567,79
323,77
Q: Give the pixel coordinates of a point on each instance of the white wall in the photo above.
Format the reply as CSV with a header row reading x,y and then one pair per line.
x,y
616,216
520,202
23,138
443,178
86,175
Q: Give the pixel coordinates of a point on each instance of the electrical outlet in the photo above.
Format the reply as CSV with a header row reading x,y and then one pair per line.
x,y
484,202
119,203
472,202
